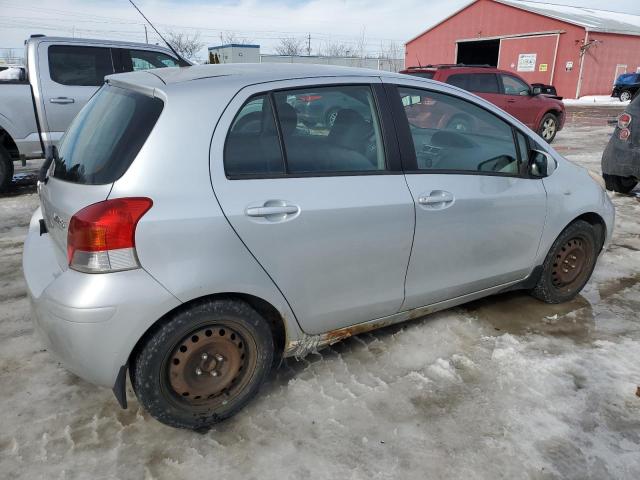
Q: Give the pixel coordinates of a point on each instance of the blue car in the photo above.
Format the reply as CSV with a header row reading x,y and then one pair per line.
x,y
626,87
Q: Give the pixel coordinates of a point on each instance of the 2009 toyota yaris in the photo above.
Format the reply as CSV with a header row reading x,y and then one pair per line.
x,y
192,228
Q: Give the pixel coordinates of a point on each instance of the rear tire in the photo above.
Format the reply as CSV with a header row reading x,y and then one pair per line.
x,y
625,96
6,169
619,184
548,127
569,263
203,364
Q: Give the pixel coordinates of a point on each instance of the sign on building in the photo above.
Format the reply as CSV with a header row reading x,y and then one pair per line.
x,y
527,62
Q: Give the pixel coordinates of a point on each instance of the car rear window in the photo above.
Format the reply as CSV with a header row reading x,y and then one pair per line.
x,y
105,137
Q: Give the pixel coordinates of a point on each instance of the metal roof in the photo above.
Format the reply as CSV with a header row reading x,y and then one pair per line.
x,y
592,19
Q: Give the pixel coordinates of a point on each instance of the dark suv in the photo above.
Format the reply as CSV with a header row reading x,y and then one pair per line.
x,y
543,113
621,158
626,87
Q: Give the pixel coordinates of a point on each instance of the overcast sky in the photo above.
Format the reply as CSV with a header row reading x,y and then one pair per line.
x,y
261,22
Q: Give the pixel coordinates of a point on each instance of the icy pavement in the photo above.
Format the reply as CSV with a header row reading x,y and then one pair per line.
x,y
505,387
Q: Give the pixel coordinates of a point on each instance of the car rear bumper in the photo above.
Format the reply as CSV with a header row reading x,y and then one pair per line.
x,y
90,322
621,158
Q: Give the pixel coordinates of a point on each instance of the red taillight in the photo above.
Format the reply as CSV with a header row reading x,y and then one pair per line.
x,y
309,98
624,134
105,227
624,120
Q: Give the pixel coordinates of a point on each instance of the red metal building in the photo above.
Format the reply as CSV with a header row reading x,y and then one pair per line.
x,y
579,50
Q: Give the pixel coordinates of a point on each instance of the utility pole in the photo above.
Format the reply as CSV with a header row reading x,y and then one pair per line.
x,y
309,45
146,37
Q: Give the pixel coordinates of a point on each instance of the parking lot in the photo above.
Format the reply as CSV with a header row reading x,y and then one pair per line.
x,y
506,387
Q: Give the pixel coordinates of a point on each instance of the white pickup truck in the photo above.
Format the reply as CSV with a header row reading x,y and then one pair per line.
x,y
61,74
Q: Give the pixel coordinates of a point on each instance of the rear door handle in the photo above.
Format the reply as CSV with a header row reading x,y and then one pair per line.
x,y
270,211
62,100
511,101
437,199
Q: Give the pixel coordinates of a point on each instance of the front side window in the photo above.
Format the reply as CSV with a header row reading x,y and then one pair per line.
x,y
452,134
252,146
459,80
514,86
146,59
79,66
330,129
106,136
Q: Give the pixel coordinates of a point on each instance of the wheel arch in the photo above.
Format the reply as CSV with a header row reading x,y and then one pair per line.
x,y
275,319
596,221
7,141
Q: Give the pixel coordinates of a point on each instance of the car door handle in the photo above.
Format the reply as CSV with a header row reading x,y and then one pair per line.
x,y
62,100
511,100
437,199
273,210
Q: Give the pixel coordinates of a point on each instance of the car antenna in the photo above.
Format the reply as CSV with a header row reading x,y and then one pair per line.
x,y
183,62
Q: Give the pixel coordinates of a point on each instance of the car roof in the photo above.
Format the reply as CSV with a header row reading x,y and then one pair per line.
x,y
455,68
96,41
245,73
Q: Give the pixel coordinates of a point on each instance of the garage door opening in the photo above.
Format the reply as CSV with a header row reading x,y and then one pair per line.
x,y
482,52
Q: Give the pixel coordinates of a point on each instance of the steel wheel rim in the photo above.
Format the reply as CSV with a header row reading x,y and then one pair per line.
x,y
209,366
548,128
571,264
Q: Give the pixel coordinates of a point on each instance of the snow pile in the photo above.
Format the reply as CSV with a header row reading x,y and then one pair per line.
x,y
596,100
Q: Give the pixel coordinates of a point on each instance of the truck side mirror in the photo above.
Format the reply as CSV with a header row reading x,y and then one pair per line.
x,y
536,91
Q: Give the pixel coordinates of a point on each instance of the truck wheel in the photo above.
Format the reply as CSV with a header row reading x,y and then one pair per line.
x,y
569,263
619,184
548,127
625,96
203,364
6,169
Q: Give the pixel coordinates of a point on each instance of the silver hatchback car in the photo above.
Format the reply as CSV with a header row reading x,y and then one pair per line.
x,y
193,229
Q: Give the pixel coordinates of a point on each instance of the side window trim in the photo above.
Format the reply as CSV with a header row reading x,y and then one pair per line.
x,y
382,106
405,140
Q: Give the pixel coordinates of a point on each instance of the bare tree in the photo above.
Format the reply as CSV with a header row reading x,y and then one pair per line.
x,y
290,46
186,45
334,49
227,38
391,55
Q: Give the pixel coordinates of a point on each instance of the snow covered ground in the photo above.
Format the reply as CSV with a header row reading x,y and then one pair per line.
x,y
505,387
597,100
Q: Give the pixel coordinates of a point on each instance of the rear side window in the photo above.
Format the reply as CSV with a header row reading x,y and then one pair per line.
x,y
145,59
80,66
458,80
483,83
428,75
330,129
105,137
252,146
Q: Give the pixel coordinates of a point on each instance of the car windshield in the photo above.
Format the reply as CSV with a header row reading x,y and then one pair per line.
x,y
105,137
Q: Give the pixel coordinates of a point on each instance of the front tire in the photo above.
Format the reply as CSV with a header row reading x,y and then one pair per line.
x,y
548,127
6,169
620,184
569,263
203,364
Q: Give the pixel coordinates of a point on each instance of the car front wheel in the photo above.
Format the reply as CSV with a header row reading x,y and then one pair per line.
x,y
569,263
203,364
548,127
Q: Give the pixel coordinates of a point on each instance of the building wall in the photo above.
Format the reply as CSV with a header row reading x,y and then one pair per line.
x,y
486,19
603,57
544,47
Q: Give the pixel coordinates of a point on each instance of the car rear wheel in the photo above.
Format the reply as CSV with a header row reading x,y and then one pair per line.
x,y
6,169
625,96
203,364
548,127
619,184
569,263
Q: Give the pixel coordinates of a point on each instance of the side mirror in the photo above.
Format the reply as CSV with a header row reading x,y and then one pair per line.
x,y
536,91
541,164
